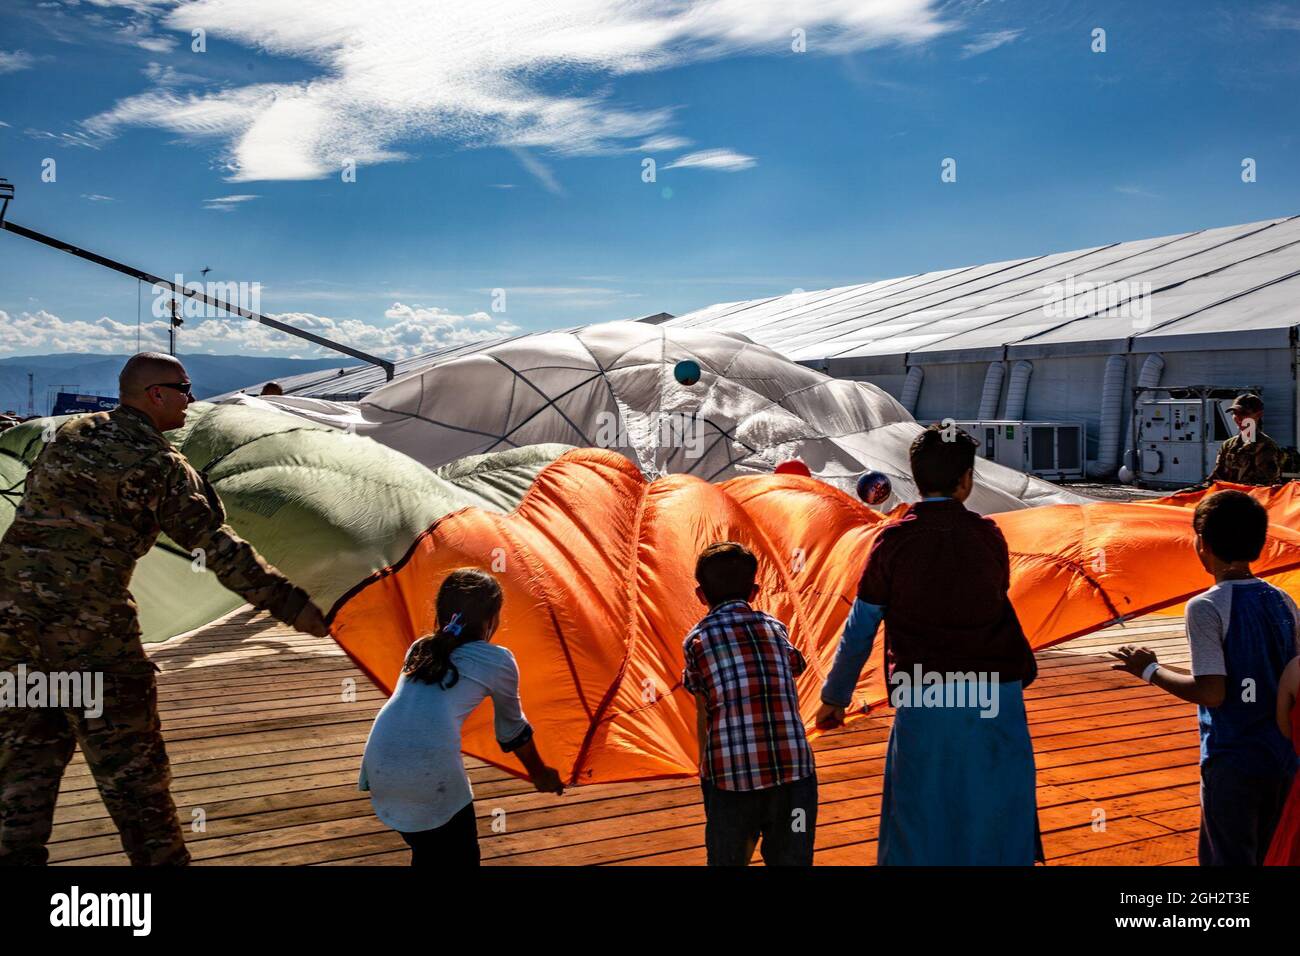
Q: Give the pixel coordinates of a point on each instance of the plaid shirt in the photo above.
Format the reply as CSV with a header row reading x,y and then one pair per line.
x,y
743,664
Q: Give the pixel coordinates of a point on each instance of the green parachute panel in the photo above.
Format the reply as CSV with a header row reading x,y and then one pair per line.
x,y
326,507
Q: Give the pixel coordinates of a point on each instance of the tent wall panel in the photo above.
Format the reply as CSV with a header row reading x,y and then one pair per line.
x,y
951,391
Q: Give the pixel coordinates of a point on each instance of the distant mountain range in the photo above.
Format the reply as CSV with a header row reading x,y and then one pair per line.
x,y
89,374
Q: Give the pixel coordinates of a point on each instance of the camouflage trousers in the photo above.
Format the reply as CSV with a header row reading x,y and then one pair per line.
x,y
124,750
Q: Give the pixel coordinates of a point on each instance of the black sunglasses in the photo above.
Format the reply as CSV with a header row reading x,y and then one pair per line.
x,y
183,387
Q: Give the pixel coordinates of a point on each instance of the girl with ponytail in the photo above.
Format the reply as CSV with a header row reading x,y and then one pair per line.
x,y
412,764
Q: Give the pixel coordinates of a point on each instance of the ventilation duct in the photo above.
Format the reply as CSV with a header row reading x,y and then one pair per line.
x,y
912,389
992,392
1112,414
1149,377
1018,390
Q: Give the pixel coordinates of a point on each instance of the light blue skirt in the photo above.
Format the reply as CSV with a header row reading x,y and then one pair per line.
x,y
959,788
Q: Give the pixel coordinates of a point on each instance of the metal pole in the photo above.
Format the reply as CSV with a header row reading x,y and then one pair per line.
x,y
116,266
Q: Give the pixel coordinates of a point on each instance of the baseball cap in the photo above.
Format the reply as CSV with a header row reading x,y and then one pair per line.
x,y
1248,403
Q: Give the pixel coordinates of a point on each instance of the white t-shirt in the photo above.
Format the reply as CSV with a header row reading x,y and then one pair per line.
x,y
412,764
1208,615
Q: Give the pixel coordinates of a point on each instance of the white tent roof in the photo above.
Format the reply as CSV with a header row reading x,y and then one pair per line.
x,y
1234,280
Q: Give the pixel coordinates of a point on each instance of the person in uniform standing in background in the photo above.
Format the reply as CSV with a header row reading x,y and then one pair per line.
x,y
1250,457
95,500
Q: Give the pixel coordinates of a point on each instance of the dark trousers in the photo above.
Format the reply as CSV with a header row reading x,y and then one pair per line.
x,y
784,817
125,752
1238,815
454,844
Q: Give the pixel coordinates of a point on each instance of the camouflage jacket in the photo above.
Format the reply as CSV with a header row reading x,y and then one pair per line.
x,y
1248,463
95,501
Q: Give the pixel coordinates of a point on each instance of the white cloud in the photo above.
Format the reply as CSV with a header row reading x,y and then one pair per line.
x,y
662,144
96,197
77,138
539,170
15,61
1278,17
136,6
139,32
416,329
989,41
725,160
167,75
472,72
228,203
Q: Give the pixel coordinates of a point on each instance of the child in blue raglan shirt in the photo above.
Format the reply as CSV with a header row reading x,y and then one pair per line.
x,y
1242,633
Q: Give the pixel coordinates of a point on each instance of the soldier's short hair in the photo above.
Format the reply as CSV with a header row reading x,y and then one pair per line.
x,y
1232,524
147,368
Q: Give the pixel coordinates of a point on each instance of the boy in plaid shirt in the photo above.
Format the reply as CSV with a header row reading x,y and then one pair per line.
x,y
756,768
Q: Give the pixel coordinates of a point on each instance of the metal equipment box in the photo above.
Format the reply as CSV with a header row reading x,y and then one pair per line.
x,y
1179,430
1051,450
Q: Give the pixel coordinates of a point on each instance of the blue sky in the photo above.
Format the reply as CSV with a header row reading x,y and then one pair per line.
x,y
500,149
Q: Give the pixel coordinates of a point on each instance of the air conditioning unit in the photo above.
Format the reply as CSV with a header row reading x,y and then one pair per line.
x,y
1179,429
1051,450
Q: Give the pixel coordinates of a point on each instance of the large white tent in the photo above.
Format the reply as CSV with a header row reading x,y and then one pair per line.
x,y
1212,307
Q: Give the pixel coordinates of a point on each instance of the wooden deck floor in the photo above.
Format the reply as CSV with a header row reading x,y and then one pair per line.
x,y
265,755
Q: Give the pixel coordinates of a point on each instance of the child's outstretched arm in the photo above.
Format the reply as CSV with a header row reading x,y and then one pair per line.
x,y
1207,689
513,732
1288,688
850,657
543,778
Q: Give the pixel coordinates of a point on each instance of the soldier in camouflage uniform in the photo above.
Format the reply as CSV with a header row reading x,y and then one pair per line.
x,y
1249,457
94,502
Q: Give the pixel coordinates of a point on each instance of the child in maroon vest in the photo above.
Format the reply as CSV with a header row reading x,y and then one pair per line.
x,y
959,784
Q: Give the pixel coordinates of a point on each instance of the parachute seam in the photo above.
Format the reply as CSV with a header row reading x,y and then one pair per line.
x,y
307,466
604,372
220,458
623,354
630,590
537,578
1078,569
1120,619
550,402
567,392
440,424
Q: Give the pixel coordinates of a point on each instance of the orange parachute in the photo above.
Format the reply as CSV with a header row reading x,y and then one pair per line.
x,y
597,565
